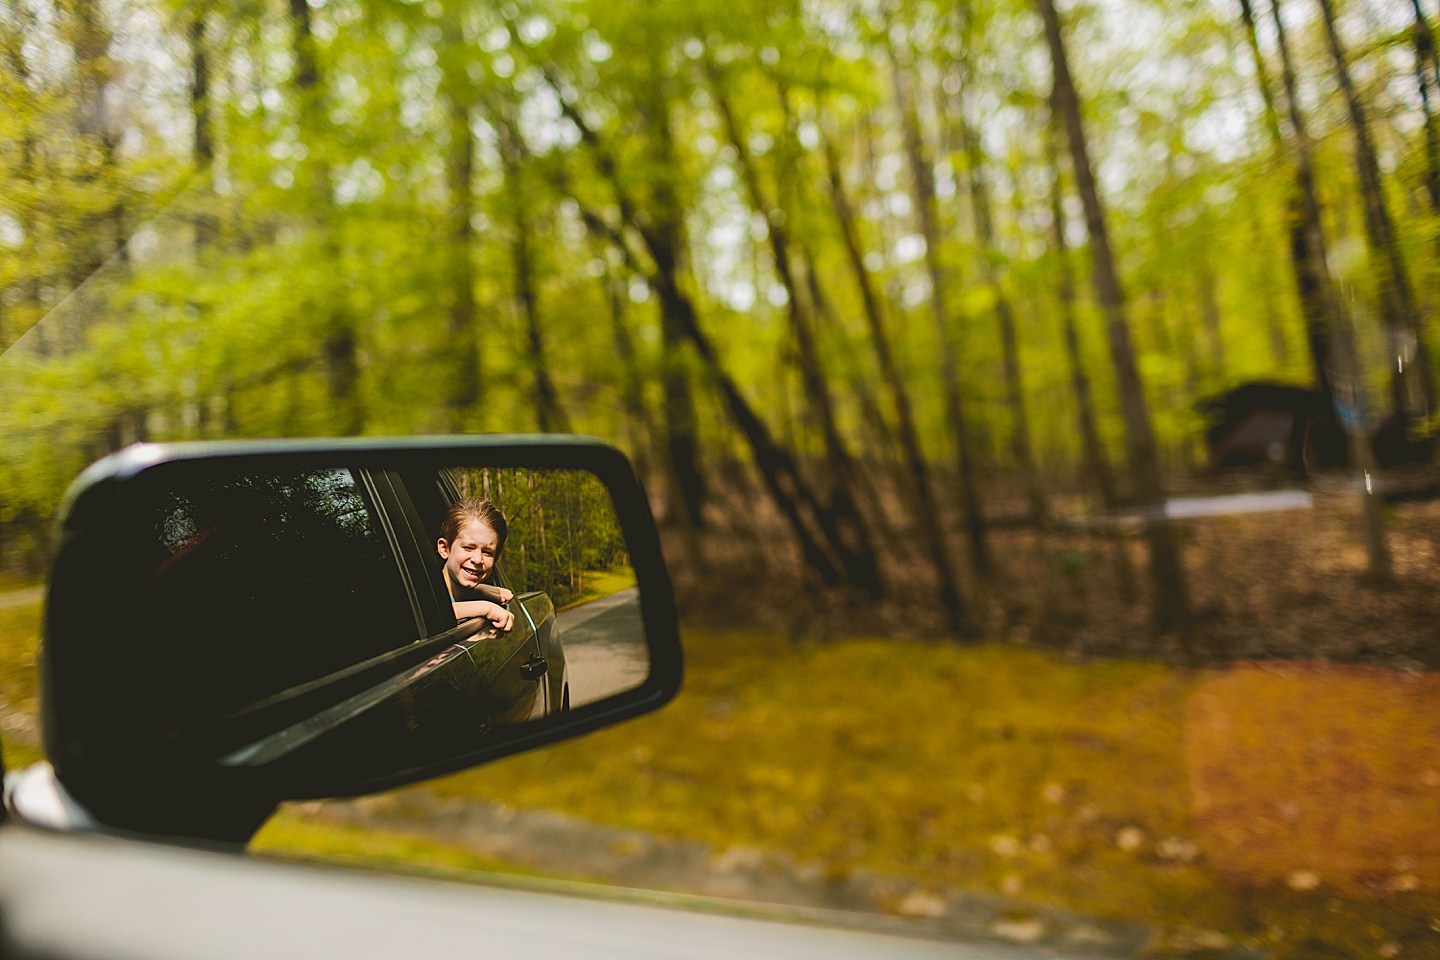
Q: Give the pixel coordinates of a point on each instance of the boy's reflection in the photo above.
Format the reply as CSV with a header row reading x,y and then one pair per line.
x,y
471,539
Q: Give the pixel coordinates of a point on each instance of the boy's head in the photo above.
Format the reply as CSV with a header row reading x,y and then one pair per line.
x,y
471,539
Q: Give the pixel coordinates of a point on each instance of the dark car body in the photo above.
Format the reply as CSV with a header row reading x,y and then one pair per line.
x,y
465,677
291,625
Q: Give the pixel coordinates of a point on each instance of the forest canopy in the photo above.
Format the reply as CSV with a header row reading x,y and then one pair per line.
x,y
871,282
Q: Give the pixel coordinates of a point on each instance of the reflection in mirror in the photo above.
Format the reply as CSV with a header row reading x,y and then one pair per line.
x,y
563,549
340,623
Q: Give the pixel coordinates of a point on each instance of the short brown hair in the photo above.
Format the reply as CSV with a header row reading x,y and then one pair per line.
x,y
473,508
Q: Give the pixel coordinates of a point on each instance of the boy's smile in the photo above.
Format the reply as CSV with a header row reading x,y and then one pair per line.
x,y
470,557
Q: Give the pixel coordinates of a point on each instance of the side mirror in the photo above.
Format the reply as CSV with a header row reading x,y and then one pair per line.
x,y
230,625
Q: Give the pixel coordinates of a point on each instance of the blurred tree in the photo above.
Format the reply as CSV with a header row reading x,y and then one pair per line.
x,y
1170,606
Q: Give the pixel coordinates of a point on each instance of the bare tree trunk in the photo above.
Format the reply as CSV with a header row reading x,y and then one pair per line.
x,y
922,184
882,436
862,568
682,430
1096,462
340,347
202,149
1392,278
667,236
1350,401
1020,446
1345,376
662,233
777,467
1312,275
1311,307
90,38
549,415
1170,605
1427,76
927,512
462,347
638,421
1210,318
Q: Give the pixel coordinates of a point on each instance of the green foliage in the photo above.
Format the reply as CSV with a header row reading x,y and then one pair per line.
x,y
306,266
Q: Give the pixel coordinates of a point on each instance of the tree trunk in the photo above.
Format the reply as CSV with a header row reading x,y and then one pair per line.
x,y
882,437
1170,606
462,347
1210,319
1397,299
340,348
549,416
202,149
922,184
859,554
632,391
925,508
979,189
90,38
668,236
1096,462
1427,78
1307,238
662,232
682,430
1344,360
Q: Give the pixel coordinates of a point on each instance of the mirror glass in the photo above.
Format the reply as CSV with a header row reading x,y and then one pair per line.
x,y
338,622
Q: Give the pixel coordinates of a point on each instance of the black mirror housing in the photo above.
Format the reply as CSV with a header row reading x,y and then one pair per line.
x,y
193,712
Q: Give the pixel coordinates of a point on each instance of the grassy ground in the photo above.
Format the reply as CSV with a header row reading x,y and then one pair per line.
x,y
1289,807
290,834
602,583
1101,786
19,638
10,582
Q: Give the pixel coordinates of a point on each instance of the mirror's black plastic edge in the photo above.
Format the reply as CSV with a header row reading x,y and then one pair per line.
x,y
610,466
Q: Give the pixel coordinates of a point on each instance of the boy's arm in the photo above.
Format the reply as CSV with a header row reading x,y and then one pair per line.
x,y
470,609
494,593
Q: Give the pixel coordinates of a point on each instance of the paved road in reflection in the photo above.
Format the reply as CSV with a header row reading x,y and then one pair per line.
x,y
604,646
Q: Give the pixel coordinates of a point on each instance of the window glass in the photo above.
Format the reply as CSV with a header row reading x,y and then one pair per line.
x,y
293,569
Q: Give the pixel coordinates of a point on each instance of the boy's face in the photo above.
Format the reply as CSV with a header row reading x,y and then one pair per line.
x,y
470,557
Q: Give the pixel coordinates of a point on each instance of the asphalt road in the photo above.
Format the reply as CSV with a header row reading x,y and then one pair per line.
x,y
604,646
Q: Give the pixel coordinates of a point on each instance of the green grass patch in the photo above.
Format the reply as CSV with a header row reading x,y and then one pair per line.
x,y
19,643
19,679
10,582
292,835
993,768
602,583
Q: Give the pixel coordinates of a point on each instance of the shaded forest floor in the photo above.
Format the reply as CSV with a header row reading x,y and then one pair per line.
x,y
1281,585
1218,807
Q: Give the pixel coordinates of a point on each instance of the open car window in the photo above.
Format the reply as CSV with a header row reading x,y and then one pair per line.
x,y
294,568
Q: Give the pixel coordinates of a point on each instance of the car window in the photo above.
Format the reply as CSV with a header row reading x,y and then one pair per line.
x,y
294,568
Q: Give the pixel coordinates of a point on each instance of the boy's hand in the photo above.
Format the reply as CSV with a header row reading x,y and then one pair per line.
x,y
499,617
503,596
502,619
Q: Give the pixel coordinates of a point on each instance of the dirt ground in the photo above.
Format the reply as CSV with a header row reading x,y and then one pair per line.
x,y
1285,585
